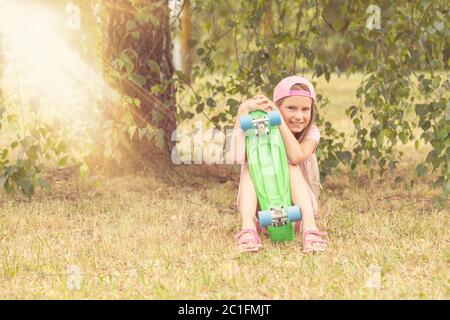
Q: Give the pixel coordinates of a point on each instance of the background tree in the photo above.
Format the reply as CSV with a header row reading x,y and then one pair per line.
x,y
137,57
186,29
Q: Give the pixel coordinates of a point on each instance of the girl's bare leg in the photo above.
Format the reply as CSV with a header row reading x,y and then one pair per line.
x,y
247,200
312,240
301,197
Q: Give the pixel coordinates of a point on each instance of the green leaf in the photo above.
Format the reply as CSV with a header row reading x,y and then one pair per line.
x,y
234,106
432,155
139,79
131,131
200,51
156,89
12,118
307,53
84,170
44,184
3,180
154,67
200,107
62,161
403,137
26,186
137,102
144,16
131,24
27,142
11,170
159,139
189,115
380,138
211,102
231,23
136,35
345,156
421,170
142,132
421,109
447,114
351,111
439,25
157,117
61,147
426,125
192,43
232,102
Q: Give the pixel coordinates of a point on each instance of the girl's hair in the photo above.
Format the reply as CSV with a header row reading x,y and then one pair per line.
x,y
314,112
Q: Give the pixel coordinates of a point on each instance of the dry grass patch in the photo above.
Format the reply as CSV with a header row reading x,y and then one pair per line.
x,y
163,235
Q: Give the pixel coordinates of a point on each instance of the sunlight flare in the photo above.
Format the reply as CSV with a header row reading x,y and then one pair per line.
x,y
40,63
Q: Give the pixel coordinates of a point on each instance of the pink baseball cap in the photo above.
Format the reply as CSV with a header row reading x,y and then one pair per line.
x,y
283,89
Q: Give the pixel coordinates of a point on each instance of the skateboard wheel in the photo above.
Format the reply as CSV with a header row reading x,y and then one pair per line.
x,y
246,122
265,218
294,214
274,118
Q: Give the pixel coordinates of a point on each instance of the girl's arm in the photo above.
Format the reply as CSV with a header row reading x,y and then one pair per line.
x,y
296,152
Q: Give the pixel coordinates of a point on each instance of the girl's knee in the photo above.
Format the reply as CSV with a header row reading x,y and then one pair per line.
x,y
296,175
246,189
245,177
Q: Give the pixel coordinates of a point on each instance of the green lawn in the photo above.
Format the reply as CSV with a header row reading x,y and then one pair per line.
x,y
161,236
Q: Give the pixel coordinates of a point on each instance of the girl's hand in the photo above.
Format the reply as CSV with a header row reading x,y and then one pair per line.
x,y
265,104
258,102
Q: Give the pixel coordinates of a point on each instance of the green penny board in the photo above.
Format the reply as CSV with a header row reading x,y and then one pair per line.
x,y
267,162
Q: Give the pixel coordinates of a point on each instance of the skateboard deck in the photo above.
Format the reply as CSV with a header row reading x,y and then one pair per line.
x,y
268,165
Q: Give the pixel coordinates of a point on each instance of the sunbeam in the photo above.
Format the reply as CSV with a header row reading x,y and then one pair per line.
x,y
40,63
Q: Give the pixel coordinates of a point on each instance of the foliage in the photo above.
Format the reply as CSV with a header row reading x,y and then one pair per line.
x,y
243,48
34,146
255,44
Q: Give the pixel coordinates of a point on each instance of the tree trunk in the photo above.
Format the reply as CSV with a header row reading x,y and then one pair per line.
x,y
143,38
186,59
2,63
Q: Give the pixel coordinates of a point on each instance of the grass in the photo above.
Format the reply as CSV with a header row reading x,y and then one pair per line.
x,y
166,232
171,237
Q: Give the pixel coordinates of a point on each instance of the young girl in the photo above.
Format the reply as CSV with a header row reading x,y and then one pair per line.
x,y
295,99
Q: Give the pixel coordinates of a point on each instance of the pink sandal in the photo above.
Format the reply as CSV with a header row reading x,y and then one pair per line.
x,y
262,230
315,244
247,244
298,226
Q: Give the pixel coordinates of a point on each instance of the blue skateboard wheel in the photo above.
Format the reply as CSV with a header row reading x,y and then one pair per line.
x,y
246,122
294,214
274,118
265,218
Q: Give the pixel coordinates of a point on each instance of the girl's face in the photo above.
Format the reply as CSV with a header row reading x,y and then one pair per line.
x,y
296,111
